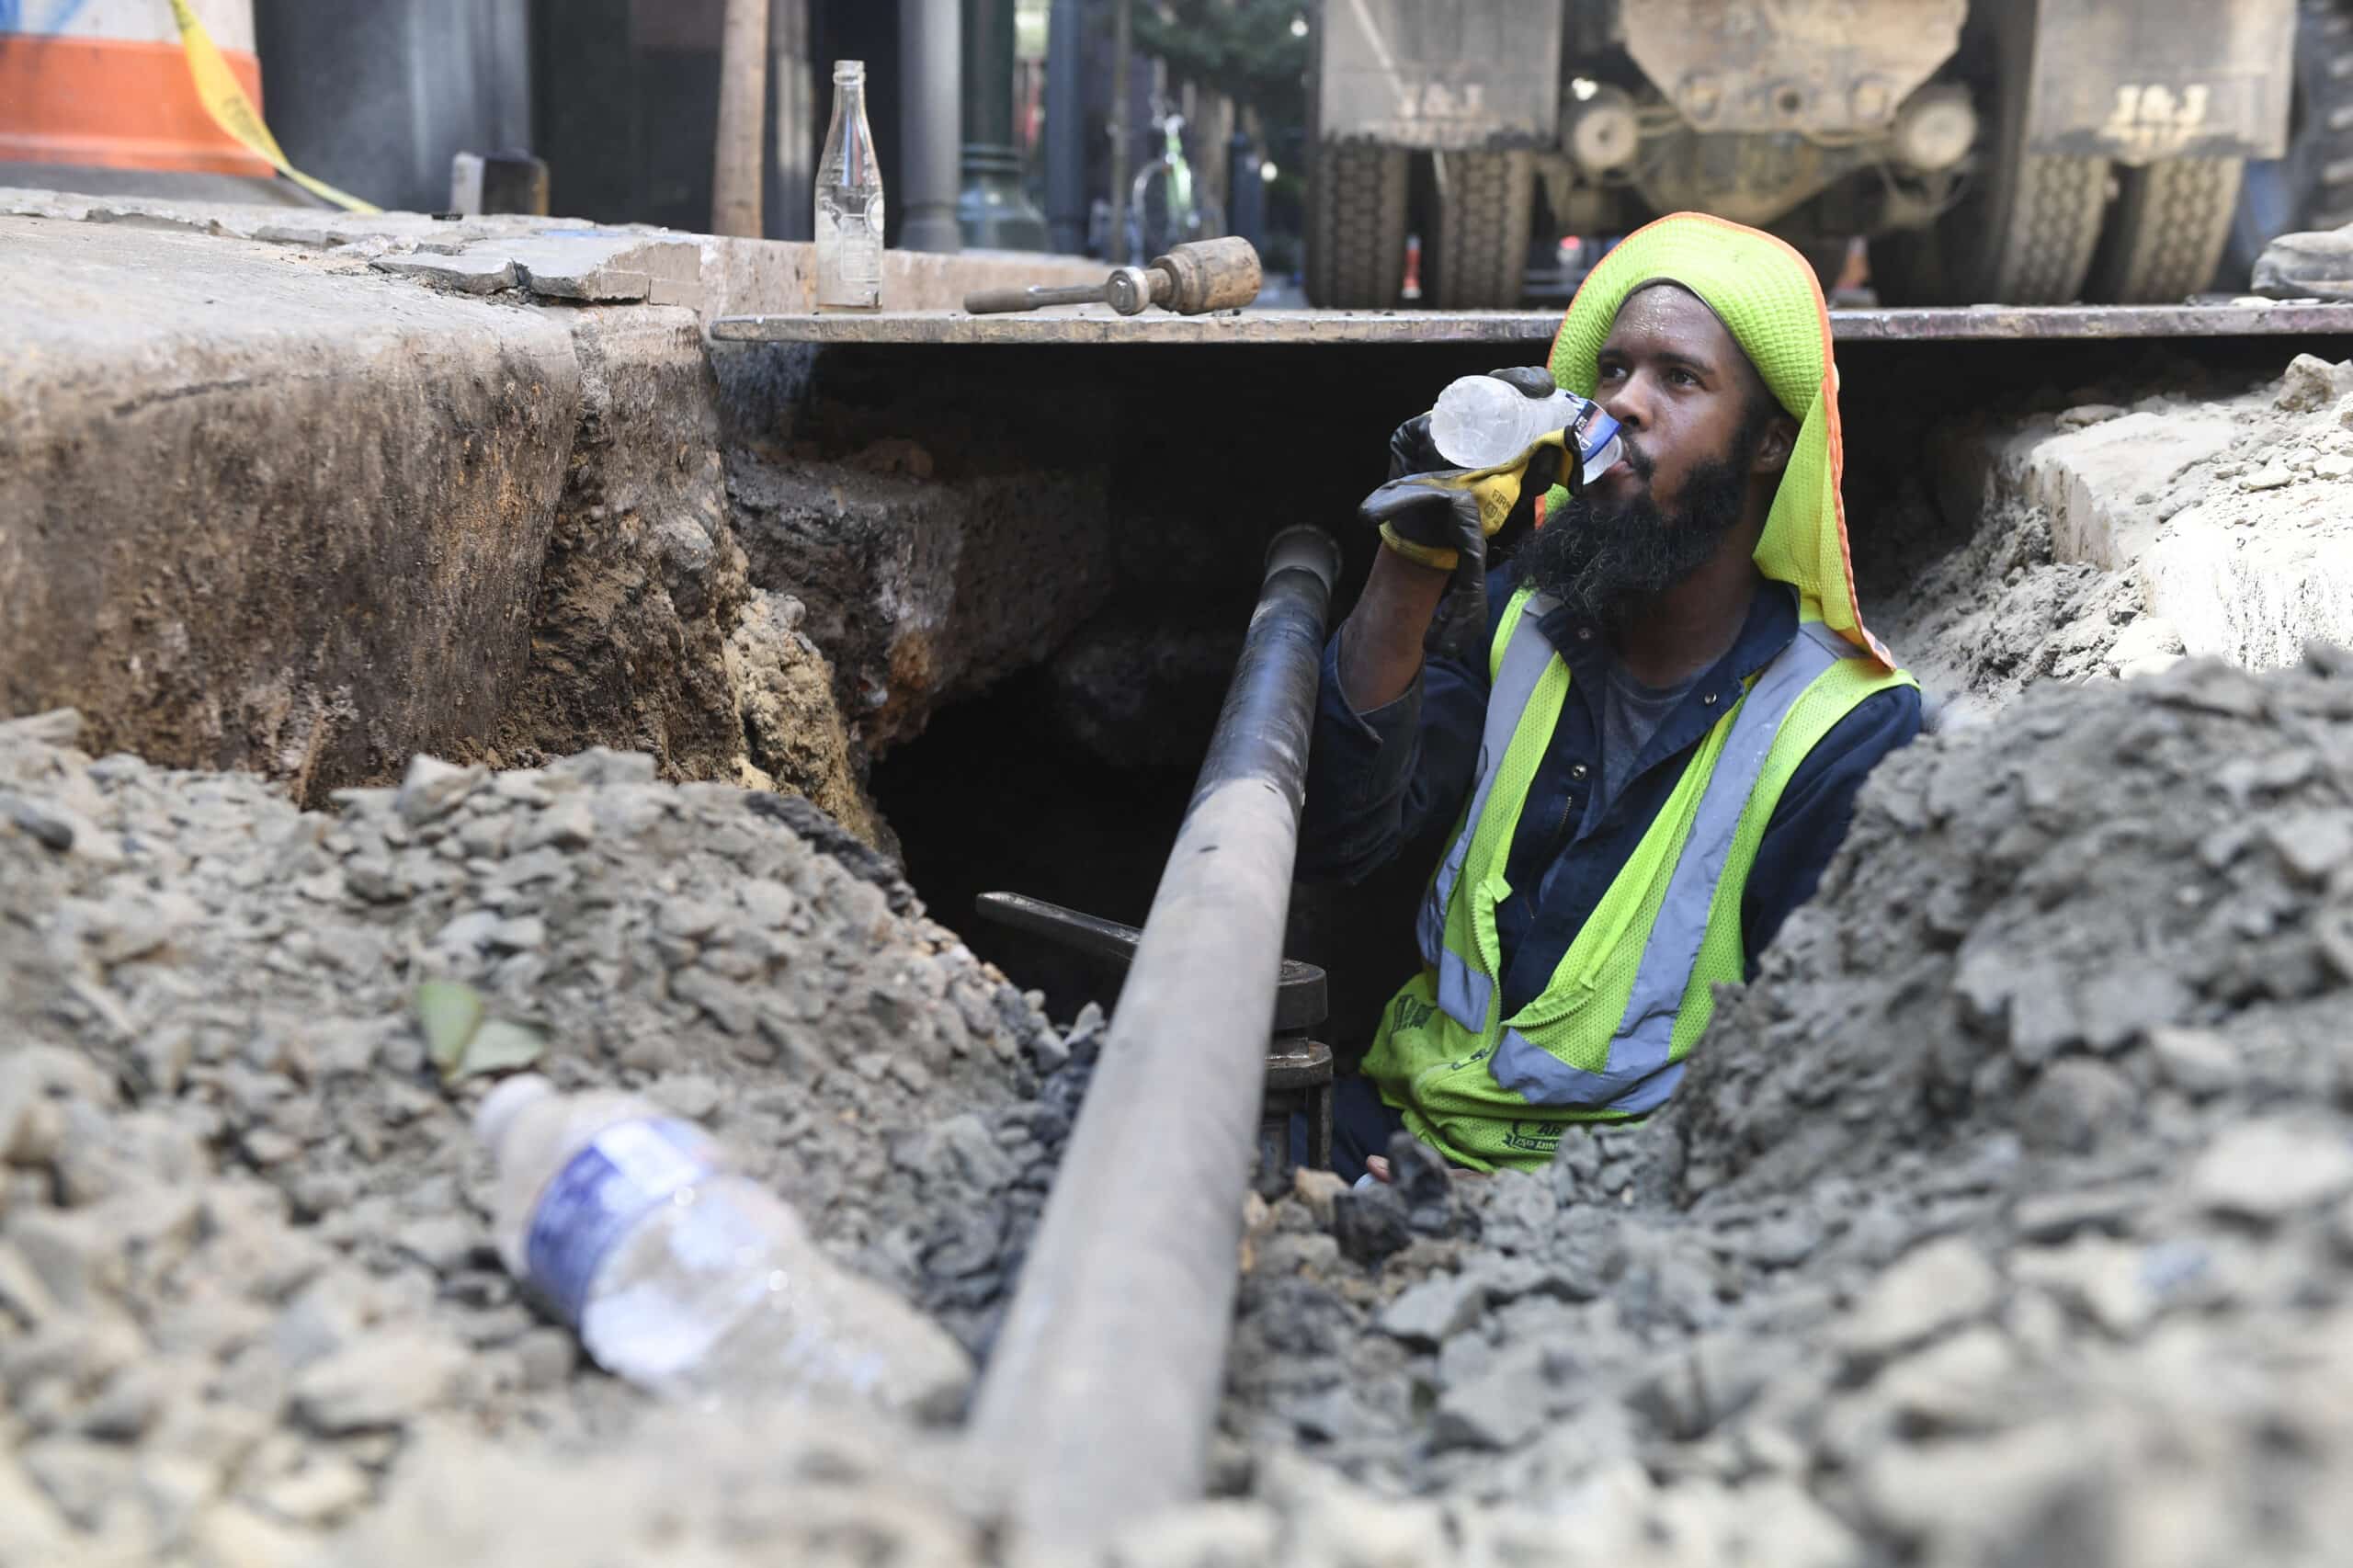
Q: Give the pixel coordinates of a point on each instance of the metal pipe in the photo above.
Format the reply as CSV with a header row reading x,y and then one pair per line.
x,y
1065,136
742,140
1123,45
1101,1392
794,134
931,74
993,209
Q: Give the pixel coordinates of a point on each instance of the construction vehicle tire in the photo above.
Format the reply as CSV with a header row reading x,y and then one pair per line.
x,y
1474,251
1356,228
2311,188
2025,229
2166,232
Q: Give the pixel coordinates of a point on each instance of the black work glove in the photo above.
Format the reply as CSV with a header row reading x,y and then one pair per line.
x,y
1427,519
1447,525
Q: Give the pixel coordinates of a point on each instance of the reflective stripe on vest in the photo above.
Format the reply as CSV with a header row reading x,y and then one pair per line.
x,y
1639,1077
1462,991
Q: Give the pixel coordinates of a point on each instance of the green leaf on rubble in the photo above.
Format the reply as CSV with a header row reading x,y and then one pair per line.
x,y
464,1043
449,1013
501,1046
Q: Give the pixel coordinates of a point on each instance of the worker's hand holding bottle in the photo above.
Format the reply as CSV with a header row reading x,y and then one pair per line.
x,y
1435,512
1439,514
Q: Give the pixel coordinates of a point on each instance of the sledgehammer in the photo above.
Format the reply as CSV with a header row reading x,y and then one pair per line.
x,y
1199,275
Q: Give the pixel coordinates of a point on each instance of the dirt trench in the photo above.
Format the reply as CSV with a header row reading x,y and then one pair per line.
x,y
2005,1219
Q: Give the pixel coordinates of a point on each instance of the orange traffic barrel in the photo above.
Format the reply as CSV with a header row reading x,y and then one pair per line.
x,y
103,83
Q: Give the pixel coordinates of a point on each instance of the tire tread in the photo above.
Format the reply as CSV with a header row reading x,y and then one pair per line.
x,y
1355,238
2168,231
1480,251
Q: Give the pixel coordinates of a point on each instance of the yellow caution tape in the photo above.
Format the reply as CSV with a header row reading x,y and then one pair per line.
x,y
234,112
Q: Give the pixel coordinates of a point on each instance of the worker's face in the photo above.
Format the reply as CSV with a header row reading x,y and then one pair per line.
x,y
1704,444
1684,396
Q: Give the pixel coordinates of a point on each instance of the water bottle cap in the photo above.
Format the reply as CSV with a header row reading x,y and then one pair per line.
x,y
505,1103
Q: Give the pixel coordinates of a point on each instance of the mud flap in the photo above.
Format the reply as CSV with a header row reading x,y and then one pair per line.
x,y
2141,83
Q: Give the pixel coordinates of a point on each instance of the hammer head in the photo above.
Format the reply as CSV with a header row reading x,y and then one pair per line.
x,y
1207,275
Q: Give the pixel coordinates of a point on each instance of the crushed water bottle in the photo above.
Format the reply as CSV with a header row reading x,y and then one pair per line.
x,y
1482,422
849,201
687,1278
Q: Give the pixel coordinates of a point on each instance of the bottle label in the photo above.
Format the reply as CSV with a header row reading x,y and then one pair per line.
x,y
625,1172
861,255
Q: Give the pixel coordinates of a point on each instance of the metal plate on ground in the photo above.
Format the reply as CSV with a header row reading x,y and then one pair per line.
x,y
1096,324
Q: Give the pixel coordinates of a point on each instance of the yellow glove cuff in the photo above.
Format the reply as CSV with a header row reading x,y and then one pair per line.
x,y
1432,555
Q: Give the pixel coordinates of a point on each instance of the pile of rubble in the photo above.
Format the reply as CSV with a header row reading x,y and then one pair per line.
x,y
2008,1218
243,1243
2012,1217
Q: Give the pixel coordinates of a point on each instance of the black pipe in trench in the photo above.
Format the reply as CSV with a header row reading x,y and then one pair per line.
x,y
1097,1407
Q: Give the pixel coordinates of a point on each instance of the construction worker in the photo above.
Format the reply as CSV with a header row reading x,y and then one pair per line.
x,y
1647,729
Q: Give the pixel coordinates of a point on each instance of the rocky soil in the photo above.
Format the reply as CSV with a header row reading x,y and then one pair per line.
x,y
2007,1219
244,1254
2010,1219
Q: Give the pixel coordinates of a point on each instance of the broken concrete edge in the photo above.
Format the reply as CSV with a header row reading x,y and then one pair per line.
x,y
565,259
2225,514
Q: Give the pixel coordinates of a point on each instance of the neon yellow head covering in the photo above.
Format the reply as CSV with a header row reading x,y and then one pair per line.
x,y
1767,296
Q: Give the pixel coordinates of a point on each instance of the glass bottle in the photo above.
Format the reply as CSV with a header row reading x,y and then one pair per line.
x,y
849,201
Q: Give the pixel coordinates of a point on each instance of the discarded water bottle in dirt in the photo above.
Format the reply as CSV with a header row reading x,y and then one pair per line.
x,y
1484,421
849,201
685,1278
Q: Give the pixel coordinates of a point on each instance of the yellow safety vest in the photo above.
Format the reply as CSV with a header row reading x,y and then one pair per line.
x,y
1606,1039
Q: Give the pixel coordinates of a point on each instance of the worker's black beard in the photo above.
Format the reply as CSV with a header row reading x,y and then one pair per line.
x,y
1611,561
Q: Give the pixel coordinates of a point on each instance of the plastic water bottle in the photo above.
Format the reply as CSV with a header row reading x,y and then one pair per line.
x,y
1484,421
685,1279
849,201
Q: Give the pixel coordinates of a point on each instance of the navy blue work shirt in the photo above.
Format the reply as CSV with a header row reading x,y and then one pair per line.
x,y
1377,780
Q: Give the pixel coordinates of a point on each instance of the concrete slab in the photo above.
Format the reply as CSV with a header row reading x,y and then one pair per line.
x,y
562,258
2228,514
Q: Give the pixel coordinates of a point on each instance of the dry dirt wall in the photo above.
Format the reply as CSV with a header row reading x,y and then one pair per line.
x,y
243,524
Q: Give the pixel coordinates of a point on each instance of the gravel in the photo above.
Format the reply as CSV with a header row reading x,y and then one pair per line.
x,y
244,1256
2008,1218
